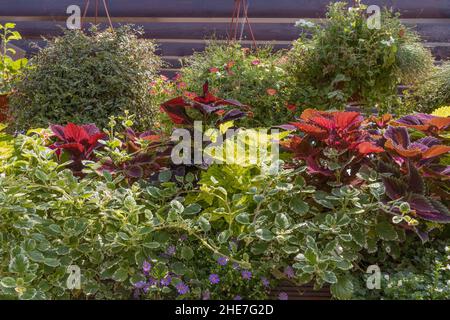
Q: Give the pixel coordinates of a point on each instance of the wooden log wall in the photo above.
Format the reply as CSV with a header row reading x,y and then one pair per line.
x,y
182,26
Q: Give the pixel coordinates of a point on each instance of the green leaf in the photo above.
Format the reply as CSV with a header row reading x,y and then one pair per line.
x,y
281,221
40,175
120,275
8,282
165,176
51,262
329,276
19,264
177,206
343,288
187,253
275,206
179,268
192,209
299,206
36,256
264,234
204,224
151,245
344,265
243,218
224,236
386,231
311,256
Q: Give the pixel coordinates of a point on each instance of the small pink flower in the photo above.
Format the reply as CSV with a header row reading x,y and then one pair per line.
x,y
182,85
177,77
153,92
213,70
256,62
271,92
190,95
164,78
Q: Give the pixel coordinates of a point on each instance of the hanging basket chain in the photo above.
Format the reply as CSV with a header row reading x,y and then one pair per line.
x,y
86,7
236,16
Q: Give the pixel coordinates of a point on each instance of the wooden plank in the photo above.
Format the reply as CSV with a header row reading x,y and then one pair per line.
x,y
437,31
180,47
223,8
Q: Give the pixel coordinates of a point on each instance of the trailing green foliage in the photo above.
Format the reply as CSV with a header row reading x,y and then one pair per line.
x,y
86,77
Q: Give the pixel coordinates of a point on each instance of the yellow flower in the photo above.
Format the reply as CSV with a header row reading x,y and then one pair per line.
x,y
442,112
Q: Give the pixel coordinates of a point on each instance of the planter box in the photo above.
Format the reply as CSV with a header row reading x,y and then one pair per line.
x,y
3,108
304,292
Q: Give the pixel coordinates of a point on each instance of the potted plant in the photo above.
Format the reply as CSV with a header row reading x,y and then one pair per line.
x,y
8,66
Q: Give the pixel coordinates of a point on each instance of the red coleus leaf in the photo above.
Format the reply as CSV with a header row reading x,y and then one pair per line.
x,y
368,147
176,110
436,151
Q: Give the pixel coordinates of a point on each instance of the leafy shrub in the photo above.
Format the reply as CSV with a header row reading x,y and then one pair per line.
x,y
432,92
255,78
347,62
9,68
422,274
85,78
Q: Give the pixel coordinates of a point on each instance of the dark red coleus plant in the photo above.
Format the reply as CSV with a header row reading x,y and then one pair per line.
x,y
207,105
426,123
424,153
323,131
78,141
409,186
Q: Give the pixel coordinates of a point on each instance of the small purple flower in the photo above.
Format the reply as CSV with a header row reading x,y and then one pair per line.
x,y
289,272
171,250
222,261
183,237
214,278
283,296
151,281
235,266
265,282
247,275
140,284
166,281
182,288
146,266
238,297
206,295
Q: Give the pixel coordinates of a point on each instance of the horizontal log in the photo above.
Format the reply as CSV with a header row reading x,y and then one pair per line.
x,y
223,8
432,31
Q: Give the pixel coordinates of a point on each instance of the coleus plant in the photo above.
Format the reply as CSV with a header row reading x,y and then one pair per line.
x,y
135,155
427,123
425,152
417,203
79,142
332,143
208,108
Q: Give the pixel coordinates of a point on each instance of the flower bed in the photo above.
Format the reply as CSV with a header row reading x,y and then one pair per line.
x,y
199,201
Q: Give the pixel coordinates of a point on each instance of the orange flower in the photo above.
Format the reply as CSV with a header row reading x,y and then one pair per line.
x,y
291,107
271,92
213,70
